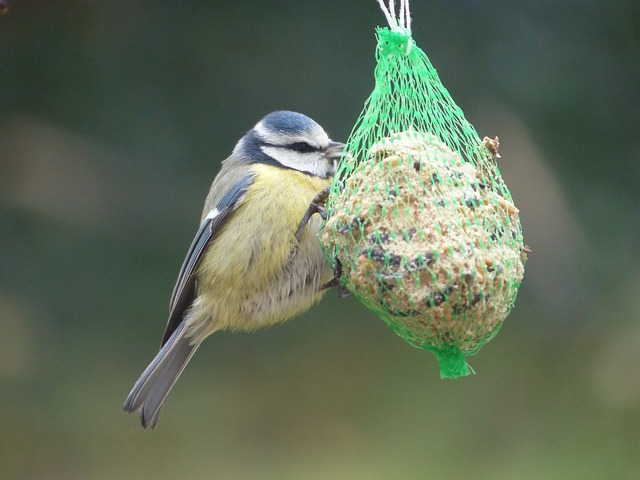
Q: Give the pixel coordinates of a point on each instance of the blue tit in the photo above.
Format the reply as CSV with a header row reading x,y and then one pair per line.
x,y
252,263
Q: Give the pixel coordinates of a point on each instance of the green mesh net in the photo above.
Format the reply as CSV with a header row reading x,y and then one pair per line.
x,y
420,222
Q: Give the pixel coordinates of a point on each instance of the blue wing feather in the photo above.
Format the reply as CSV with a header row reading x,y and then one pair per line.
x,y
184,292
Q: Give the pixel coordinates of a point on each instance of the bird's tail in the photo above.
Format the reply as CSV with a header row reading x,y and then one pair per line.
x,y
156,381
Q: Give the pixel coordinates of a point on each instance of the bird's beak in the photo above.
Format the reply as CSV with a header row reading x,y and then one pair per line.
x,y
334,150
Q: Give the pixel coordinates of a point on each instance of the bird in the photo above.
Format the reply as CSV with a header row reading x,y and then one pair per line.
x,y
256,260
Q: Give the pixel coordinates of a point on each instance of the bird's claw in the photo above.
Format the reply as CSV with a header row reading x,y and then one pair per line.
x,y
316,206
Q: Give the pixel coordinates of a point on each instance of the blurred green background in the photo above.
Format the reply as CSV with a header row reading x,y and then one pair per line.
x,y
114,117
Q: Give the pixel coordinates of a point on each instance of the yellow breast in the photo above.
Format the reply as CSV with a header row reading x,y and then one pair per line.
x,y
256,272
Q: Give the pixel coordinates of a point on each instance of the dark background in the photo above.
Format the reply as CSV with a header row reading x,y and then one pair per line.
x,y
114,116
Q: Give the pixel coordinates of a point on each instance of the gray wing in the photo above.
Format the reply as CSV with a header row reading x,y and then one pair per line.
x,y
184,292
153,386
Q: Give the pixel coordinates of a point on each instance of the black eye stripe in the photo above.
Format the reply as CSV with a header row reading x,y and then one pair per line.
x,y
302,147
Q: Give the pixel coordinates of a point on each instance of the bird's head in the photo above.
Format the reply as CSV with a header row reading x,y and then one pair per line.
x,y
290,140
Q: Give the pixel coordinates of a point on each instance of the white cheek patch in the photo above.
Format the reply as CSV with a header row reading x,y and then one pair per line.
x,y
313,163
334,169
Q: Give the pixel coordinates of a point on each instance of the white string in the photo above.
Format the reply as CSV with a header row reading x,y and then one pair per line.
x,y
392,10
407,12
383,7
397,24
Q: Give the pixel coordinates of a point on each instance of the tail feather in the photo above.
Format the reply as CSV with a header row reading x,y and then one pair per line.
x,y
153,386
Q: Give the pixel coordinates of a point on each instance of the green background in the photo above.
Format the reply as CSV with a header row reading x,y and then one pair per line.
x,y
114,117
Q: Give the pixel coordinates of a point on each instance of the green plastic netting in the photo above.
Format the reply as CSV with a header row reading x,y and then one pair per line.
x,y
420,221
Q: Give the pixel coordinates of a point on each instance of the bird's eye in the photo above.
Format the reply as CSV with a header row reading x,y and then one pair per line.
x,y
302,147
